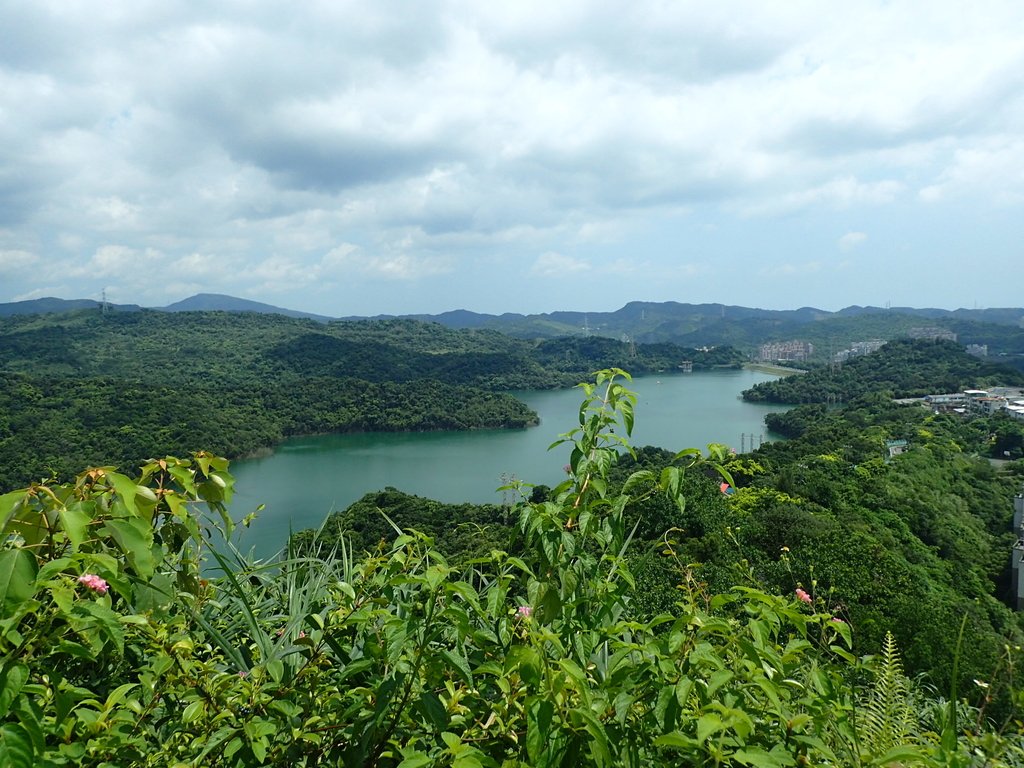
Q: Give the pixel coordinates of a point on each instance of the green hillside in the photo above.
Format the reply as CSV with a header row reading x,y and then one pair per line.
x,y
119,387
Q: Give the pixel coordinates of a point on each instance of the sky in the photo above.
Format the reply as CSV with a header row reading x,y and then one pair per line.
x,y
361,158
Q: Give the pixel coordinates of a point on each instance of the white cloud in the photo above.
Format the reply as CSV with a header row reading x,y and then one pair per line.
x,y
113,211
994,168
116,261
16,261
344,261
835,194
851,240
282,270
553,264
205,266
790,269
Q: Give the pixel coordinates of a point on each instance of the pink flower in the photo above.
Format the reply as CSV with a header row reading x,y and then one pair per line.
x,y
524,611
94,582
803,595
837,620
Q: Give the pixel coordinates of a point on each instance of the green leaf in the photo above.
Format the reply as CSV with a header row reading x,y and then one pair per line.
x,y
538,728
843,654
598,737
126,490
17,576
106,621
683,688
117,695
275,668
193,711
8,506
15,746
135,538
707,725
233,746
675,740
415,760
844,631
75,522
28,713
901,754
430,706
12,680
460,663
627,415
642,476
51,569
451,741
527,661
718,679
666,710
758,758
548,607
259,750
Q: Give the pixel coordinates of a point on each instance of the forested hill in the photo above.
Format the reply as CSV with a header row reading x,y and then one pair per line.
x,y
93,388
686,325
904,368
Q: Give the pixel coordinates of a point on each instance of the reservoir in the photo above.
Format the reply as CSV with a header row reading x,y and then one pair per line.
x,y
307,478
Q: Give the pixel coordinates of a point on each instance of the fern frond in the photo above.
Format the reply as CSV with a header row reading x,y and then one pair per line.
x,y
887,718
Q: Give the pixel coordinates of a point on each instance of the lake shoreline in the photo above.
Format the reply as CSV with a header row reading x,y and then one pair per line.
x,y
776,370
674,410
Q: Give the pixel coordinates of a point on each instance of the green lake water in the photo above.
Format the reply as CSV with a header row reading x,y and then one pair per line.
x,y
305,478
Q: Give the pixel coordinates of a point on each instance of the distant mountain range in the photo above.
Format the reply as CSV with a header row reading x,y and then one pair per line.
x,y
212,302
686,324
201,302
50,305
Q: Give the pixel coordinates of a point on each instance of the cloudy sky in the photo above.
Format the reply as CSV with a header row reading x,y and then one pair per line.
x,y
379,157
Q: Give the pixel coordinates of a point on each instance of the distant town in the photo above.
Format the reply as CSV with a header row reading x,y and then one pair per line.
x,y
987,402
799,351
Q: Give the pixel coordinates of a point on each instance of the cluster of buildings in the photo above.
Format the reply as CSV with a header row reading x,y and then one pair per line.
x,y
785,351
797,350
857,349
980,401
